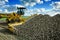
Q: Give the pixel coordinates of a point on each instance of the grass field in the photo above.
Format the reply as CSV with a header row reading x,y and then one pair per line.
x,y
24,17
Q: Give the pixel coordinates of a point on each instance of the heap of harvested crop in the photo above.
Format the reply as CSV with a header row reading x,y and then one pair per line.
x,y
6,35
40,27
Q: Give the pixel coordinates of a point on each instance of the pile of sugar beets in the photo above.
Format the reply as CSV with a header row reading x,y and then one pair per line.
x,y
40,27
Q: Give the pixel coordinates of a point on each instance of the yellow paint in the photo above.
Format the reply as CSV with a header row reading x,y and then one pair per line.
x,y
11,27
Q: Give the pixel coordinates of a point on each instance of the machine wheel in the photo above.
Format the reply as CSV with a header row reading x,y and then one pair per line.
x,y
17,20
11,21
7,21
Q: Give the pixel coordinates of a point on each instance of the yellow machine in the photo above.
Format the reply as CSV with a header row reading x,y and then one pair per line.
x,y
14,19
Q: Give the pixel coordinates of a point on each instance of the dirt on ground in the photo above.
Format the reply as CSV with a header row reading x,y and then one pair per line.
x,y
40,27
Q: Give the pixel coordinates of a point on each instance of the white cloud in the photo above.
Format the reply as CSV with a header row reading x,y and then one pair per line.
x,y
57,2
35,11
3,2
41,2
10,8
26,4
6,11
47,0
6,0
18,5
31,2
3,11
42,9
52,12
55,5
55,10
38,1
0,10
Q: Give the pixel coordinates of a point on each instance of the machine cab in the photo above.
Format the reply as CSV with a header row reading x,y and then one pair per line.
x,y
20,10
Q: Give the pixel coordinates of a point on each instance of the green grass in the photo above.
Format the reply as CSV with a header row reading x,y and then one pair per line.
x,y
2,19
25,17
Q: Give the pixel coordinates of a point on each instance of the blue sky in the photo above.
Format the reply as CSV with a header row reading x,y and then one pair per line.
x,y
45,4
33,6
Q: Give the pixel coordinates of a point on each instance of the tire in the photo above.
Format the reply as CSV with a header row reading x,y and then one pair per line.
x,y
7,21
12,21
17,20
